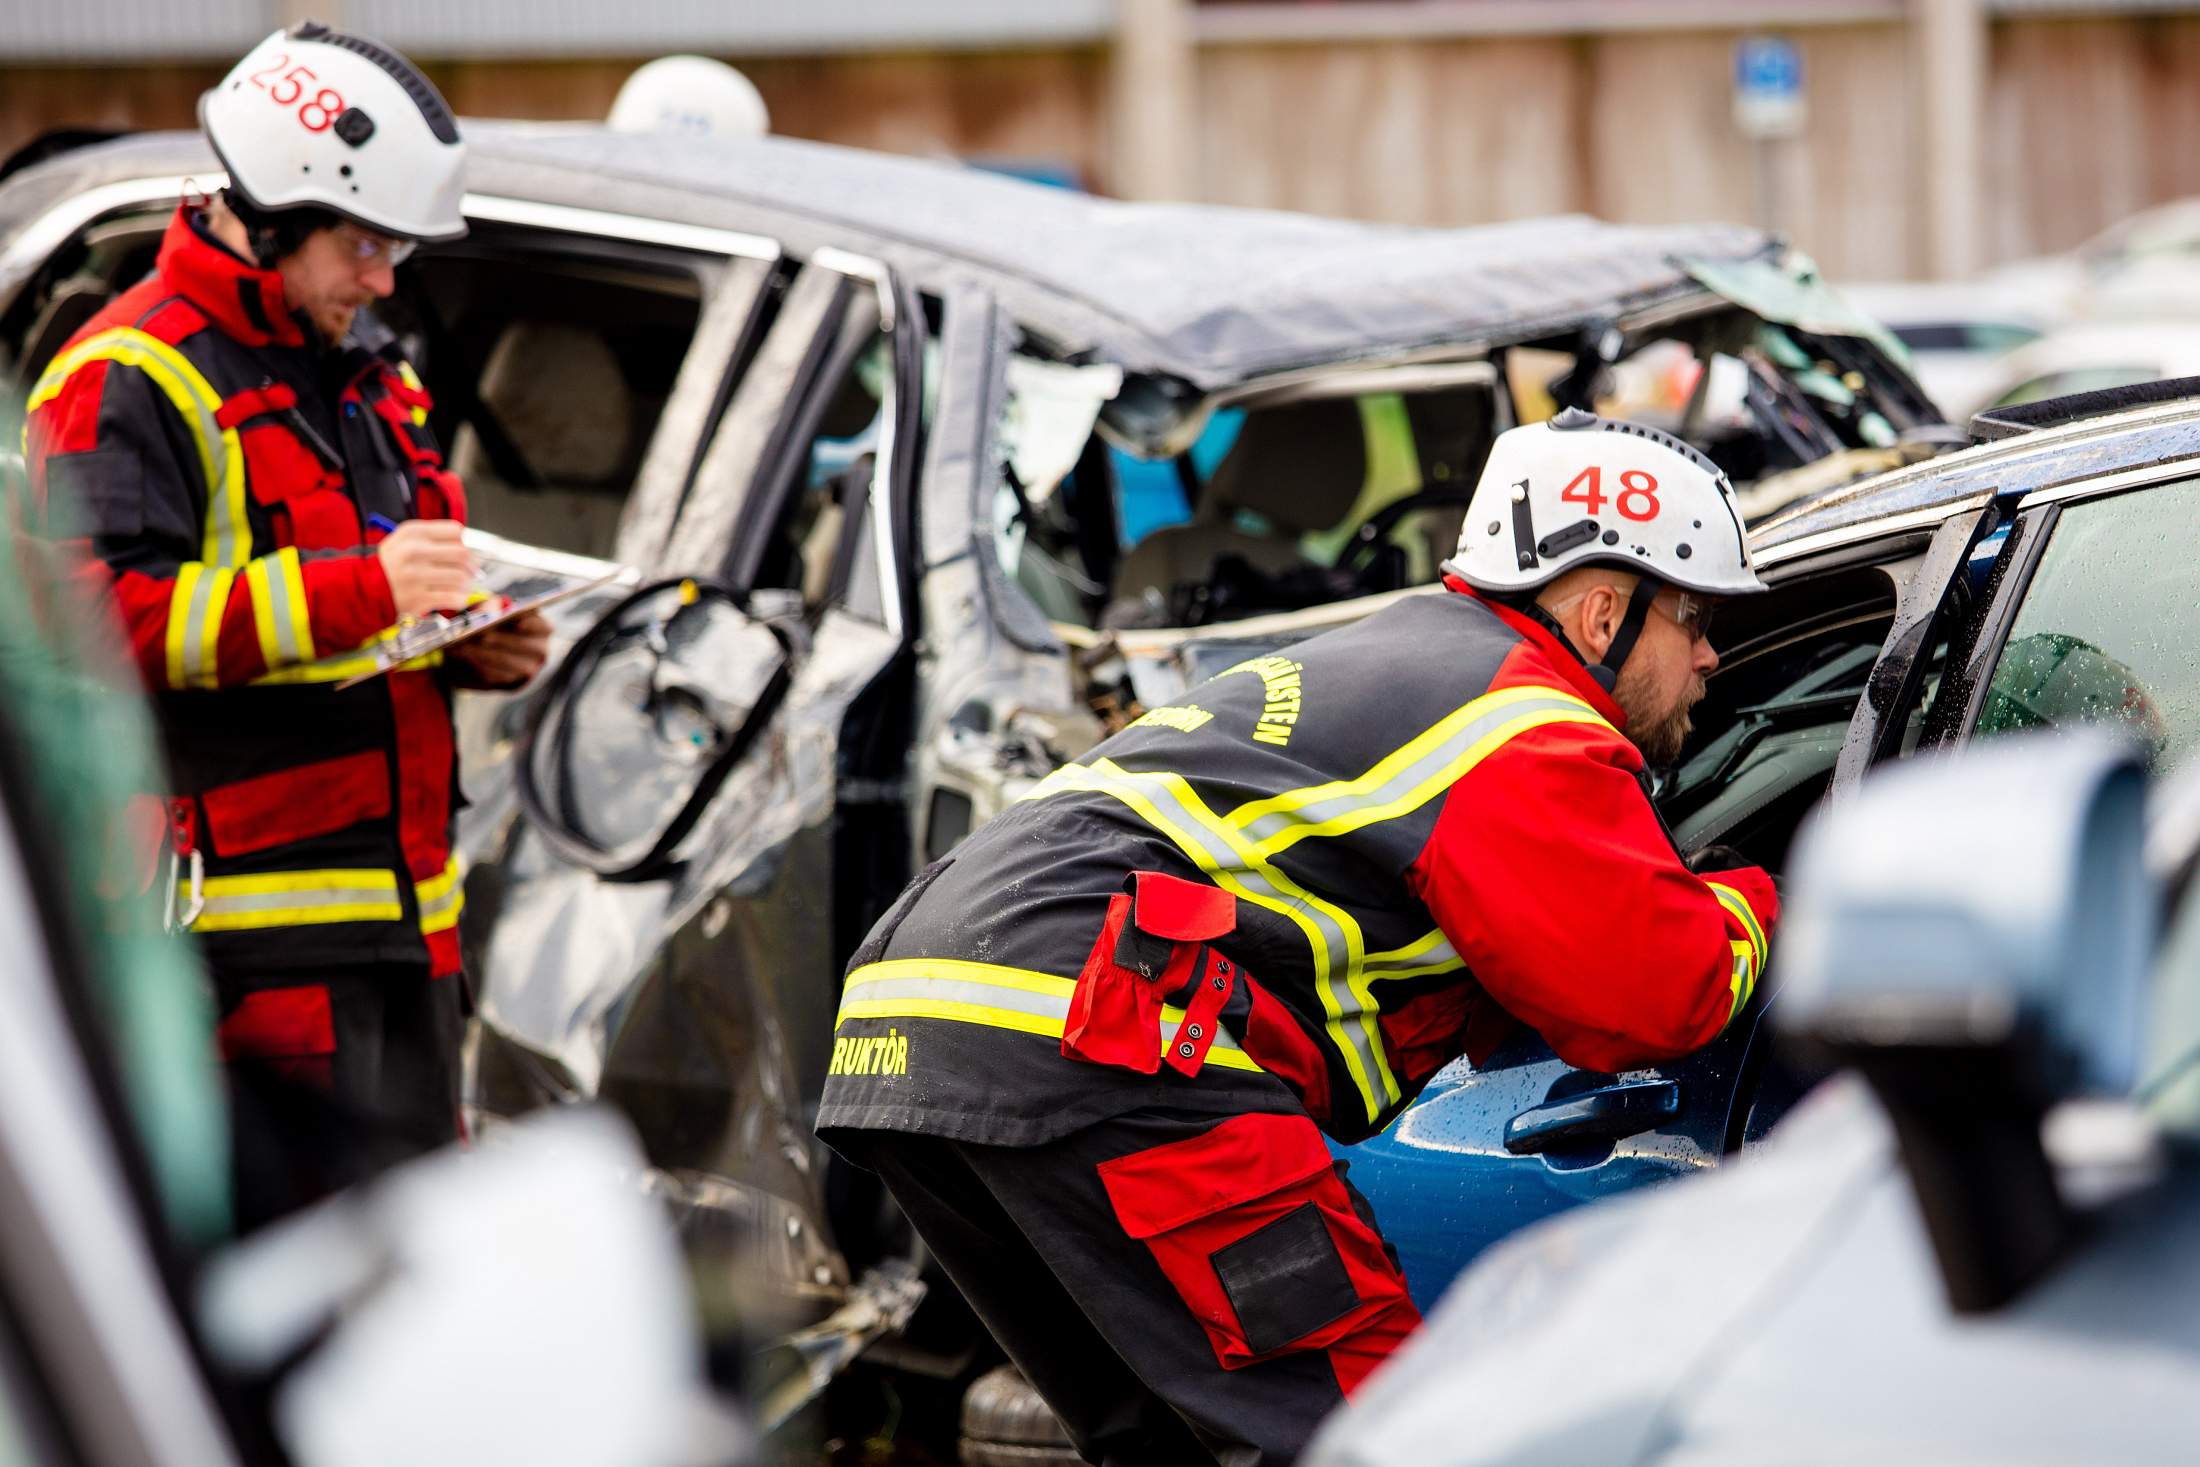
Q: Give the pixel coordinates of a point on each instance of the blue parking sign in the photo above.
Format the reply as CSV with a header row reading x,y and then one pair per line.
x,y
1768,87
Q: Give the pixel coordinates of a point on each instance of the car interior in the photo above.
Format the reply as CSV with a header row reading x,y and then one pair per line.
x,y
1281,500
549,373
548,457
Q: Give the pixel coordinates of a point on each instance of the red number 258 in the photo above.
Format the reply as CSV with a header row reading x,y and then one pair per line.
x,y
314,113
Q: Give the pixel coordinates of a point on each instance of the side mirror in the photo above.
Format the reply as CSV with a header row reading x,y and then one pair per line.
x,y
643,721
1973,934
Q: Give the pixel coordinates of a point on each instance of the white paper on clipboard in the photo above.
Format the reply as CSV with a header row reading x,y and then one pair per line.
x,y
438,630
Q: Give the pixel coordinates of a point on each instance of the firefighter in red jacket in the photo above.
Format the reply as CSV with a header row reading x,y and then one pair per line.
x,y
1093,1051
247,454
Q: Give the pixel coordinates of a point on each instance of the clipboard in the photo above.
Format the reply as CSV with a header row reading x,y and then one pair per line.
x,y
419,636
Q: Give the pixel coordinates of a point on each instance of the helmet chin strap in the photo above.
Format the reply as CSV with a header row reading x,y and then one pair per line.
x,y
1606,673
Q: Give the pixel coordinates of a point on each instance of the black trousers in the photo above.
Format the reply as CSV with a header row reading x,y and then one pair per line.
x,y
1180,1288
333,1076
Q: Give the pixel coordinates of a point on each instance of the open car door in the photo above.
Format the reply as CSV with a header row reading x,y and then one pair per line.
x,y
646,932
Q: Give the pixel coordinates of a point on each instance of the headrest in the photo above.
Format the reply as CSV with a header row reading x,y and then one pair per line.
x,y
1300,466
558,389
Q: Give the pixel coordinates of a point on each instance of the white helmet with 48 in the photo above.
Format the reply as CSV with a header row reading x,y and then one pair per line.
x,y
1583,490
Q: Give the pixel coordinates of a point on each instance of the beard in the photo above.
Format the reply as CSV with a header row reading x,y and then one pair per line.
x,y
1658,732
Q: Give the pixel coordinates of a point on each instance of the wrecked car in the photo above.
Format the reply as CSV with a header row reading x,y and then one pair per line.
x,y
919,481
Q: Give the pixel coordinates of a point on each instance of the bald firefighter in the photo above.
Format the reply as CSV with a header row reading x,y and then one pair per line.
x,y
1093,1052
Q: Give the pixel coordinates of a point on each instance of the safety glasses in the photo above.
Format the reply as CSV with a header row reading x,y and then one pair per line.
x,y
1688,611
366,247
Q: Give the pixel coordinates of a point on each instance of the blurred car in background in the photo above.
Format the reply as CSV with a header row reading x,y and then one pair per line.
x,y
2094,356
1978,1247
879,410
1957,332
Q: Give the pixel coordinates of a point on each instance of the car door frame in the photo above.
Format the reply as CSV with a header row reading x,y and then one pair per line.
x,y
2036,514
716,354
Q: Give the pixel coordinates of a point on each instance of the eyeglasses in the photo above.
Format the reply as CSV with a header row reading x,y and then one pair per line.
x,y
366,247
1690,612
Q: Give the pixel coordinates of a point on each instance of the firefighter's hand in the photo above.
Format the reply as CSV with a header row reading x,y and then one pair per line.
x,y
428,566
505,656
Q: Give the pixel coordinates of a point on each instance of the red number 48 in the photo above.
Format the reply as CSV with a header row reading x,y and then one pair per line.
x,y
1638,493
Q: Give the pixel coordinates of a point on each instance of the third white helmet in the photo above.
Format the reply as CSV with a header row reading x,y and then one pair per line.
x,y
1584,490
689,96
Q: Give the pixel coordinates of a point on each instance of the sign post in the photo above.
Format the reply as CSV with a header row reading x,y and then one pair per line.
x,y
1769,108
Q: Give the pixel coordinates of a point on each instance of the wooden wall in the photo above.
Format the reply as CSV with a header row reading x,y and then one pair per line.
x,y
1635,127
1042,105
2087,121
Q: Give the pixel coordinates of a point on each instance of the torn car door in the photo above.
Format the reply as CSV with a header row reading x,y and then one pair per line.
x,y
683,970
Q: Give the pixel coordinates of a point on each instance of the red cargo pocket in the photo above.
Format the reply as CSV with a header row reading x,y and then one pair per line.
x,y
304,497
291,1030
297,804
1259,1237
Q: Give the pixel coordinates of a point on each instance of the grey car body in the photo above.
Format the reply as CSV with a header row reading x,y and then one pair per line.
x,y
798,372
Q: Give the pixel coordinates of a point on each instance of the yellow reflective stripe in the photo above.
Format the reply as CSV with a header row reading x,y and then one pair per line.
x,y
295,899
442,898
957,970
1223,853
180,622
337,666
210,627
1410,775
964,1013
227,539
279,609
412,380
1744,979
193,637
1738,906
998,997
1432,952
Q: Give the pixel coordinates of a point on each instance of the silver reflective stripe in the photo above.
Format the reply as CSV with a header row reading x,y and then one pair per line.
x,y
271,901
197,665
1440,956
1352,1019
280,608
441,905
1274,831
1050,1006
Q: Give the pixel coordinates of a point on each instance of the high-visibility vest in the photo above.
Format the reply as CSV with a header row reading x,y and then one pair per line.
x,y
215,468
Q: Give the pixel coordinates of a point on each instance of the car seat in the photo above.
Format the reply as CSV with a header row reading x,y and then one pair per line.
x,y
558,392
1299,467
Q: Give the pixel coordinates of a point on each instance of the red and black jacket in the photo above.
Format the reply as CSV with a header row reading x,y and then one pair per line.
x,y
1366,854
222,465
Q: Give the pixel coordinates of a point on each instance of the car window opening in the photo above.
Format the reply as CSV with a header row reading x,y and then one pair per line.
x,y
549,374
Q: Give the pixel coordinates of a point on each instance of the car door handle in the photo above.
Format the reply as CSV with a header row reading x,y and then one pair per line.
x,y
1605,1114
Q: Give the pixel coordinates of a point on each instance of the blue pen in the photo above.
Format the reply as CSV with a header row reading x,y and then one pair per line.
x,y
382,522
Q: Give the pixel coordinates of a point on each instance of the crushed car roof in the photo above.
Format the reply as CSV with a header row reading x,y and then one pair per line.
x,y
1211,294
